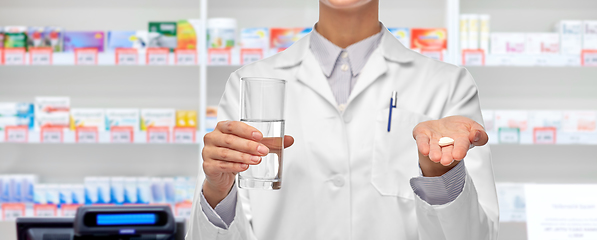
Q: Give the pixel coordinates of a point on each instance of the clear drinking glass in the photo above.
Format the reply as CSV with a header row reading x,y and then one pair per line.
x,y
262,106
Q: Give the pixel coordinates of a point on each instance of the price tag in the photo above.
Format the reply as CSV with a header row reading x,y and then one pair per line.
x,y
12,211
509,135
435,54
158,135
589,58
14,56
40,56
16,134
184,134
86,135
126,56
540,61
184,209
546,135
69,210
186,57
121,134
51,135
45,210
249,55
157,56
219,56
473,57
86,56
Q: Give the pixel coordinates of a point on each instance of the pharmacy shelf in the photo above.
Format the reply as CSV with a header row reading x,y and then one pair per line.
x,y
561,138
533,60
102,137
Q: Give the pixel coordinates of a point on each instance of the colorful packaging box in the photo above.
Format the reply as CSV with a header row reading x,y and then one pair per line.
x,y
211,118
165,36
579,121
539,43
157,118
89,39
429,39
88,117
543,118
464,18
52,112
590,35
254,38
473,31
403,35
126,39
1,37
35,37
122,117
570,36
186,118
54,38
508,43
484,21
511,119
186,34
282,38
16,114
15,37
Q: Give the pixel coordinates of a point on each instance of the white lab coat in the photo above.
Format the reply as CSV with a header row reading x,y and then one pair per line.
x,y
346,177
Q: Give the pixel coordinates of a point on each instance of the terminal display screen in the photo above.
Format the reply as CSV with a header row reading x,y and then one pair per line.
x,y
126,219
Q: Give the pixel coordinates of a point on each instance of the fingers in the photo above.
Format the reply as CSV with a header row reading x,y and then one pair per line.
x,y
217,167
423,144
447,157
288,141
478,136
460,148
240,129
435,151
236,143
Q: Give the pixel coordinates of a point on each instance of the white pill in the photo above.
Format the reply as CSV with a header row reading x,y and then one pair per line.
x,y
445,141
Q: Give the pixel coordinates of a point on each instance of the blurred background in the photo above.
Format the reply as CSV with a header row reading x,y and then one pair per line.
x,y
118,94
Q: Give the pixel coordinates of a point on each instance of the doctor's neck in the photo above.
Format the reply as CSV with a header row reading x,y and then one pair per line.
x,y
344,27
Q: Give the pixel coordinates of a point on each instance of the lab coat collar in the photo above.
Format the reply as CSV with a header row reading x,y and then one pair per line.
x,y
389,47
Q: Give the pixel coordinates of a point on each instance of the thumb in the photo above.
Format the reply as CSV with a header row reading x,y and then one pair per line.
x,y
477,135
288,141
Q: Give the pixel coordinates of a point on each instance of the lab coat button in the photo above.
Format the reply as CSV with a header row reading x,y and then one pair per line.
x,y
338,181
341,107
344,67
344,54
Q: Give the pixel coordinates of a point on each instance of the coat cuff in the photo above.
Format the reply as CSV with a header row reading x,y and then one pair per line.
x,y
224,213
443,189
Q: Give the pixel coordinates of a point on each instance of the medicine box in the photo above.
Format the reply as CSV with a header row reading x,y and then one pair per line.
x,y
186,33
157,118
186,118
590,35
126,39
570,36
543,118
484,26
579,121
52,112
402,34
16,114
511,119
473,31
54,38
429,39
508,43
540,43
83,39
281,38
122,117
15,37
35,37
164,35
88,117
254,38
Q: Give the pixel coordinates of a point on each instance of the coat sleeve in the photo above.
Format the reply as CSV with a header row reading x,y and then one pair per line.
x,y
199,225
474,213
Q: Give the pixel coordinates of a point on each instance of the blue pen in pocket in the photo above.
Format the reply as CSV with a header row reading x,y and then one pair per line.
x,y
393,100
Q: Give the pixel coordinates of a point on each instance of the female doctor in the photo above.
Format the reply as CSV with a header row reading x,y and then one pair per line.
x,y
347,176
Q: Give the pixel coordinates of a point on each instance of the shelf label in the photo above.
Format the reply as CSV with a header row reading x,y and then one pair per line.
x,y
127,56
184,134
45,210
52,135
183,209
219,56
509,135
589,58
16,134
121,134
433,53
157,56
41,56
249,55
69,210
85,56
186,57
541,61
544,135
12,211
86,135
158,135
14,56
473,57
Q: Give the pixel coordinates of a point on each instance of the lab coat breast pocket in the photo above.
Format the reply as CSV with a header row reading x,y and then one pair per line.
x,y
395,157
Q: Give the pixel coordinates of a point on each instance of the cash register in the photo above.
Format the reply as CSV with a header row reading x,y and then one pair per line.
x,y
105,223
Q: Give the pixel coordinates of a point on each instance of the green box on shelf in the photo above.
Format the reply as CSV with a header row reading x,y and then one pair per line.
x,y
162,35
509,135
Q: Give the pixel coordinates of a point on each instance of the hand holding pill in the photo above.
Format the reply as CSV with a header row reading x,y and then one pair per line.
x,y
446,141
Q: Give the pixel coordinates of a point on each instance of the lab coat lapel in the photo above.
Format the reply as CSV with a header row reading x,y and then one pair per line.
x,y
310,74
375,67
